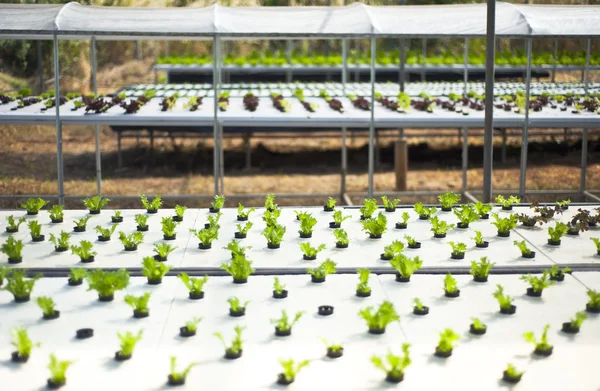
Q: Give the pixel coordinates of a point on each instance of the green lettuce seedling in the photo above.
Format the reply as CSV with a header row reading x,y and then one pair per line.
x,y
405,218
541,346
168,226
206,236
243,214
330,204
512,373
35,229
448,199
481,270
557,232
179,211
192,325
58,371
538,284
446,342
482,209
139,304
271,217
13,226
76,276
239,268
178,378
284,324
375,227
34,205
377,320
338,219
458,249
406,266
218,203
341,237
81,224
162,250
564,204
593,303
505,301
370,206
13,249
522,245
424,212
507,202
333,347
450,285
141,221
22,342
578,320
19,286
410,240
556,273
243,229
439,227
130,242
56,213
597,243
151,206
504,225
106,233
236,249
278,287
128,342
47,305
61,242
236,346
363,287
274,234
290,370
84,251
235,304
393,249
4,271
270,204
466,215
95,204
478,238
153,270
396,365
307,224
390,205
478,325
323,270
213,221
193,285
106,283
309,251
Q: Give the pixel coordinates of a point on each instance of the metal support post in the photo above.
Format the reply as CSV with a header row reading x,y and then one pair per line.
x,y
372,122
344,168
588,52
96,128
356,60
221,160
555,60
402,58
216,82
466,65
40,68
401,161
288,55
423,58
503,150
248,151
155,53
525,140
584,153
465,158
344,64
119,151
59,139
488,137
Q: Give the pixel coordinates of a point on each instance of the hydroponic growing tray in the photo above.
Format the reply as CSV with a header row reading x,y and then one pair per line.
x,y
477,362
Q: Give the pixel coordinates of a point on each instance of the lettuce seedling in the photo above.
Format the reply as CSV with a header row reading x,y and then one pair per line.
x,y
151,206
179,212
310,253
593,304
81,224
597,243
95,204
278,289
13,226
128,342
446,343
131,242
274,235
338,219
538,284
270,204
47,306
511,374
61,243
34,205
542,347
84,251
239,268
448,199
236,249
341,238
330,204
478,239
142,222
242,230
178,378
193,285
333,350
236,308
424,212
116,217
290,370
458,249
162,251
153,270
242,215
206,236
139,304
439,227
106,233
393,249
213,221
405,217
57,214
270,217
390,205
375,227
505,301
58,372
466,215
168,227
190,327
396,365
378,320
22,343
481,270
217,204
477,326
504,225
322,271
4,271
522,245
405,266
564,204
507,203
19,286
76,276
419,308
13,249
283,325
482,209
557,274
363,289
35,229
370,206
450,286
575,323
307,224
235,349
106,283
557,232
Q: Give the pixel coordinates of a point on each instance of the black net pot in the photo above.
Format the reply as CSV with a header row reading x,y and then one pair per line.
x,y
592,310
400,278
103,239
54,315
61,249
214,210
305,236
529,255
338,245
485,244
154,281
238,312
325,310
485,216
158,258
371,236
384,257
422,311
12,230
273,246
511,379
185,333
326,209
106,298
401,226
480,278
442,354
151,211
232,355
507,207
142,229
543,352
175,381
533,293
79,229
177,219
476,331
207,226
503,234
94,212
84,333
559,277
29,213
529,223
568,328
40,238
202,246
196,295
239,235
457,256
393,378
73,282
509,311
414,245
363,293
390,210
335,353
333,225
282,333
240,280
280,295
116,219
554,242
376,331
307,258
454,294
170,237
140,314
121,357
317,280
88,259
423,217
54,385
16,357
14,261
242,218
131,248
22,299
446,209
284,381
462,225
